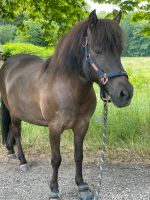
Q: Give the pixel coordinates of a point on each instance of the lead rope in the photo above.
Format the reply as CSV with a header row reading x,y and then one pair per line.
x,y
98,192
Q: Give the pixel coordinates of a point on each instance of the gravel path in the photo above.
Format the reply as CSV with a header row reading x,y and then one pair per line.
x,y
119,182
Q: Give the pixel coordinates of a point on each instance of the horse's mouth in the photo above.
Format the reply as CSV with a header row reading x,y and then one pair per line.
x,y
120,104
105,96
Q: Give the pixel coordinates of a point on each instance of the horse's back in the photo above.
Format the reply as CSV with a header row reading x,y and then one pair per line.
x,y
21,60
18,64
22,56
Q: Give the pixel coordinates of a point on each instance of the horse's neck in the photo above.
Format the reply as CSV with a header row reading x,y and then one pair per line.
x,y
55,75
85,85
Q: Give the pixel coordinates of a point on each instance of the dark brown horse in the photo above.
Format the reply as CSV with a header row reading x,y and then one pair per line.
x,y
59,93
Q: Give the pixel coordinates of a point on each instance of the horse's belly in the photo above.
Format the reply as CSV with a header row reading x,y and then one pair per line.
x,y
23,105
26,111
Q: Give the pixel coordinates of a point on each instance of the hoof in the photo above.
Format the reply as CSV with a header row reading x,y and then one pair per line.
x,y
83,187
86,195
25,167
12,156
54,195
84,192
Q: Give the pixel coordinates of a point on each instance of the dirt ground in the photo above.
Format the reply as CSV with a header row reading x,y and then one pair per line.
x,y
120,182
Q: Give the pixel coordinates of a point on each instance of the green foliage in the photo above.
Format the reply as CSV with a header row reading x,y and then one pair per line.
x,y
55,16
7,53
33,34
102,14
143,16
136,43
141,11
15,48
7,33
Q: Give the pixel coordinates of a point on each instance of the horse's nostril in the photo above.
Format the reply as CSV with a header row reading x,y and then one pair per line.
x,y
124,94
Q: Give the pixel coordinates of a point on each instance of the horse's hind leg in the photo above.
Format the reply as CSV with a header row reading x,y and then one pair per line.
x,y
7,137
10,146
15,129
55,162
79,134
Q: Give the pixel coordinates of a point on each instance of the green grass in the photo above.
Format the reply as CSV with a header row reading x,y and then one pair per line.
x,y
128,128
128,133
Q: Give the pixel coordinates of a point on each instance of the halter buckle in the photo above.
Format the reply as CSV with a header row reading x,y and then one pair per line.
x,y
104,79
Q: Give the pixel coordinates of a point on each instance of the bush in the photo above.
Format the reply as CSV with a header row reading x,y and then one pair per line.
x,y
32,33
7,33
15,48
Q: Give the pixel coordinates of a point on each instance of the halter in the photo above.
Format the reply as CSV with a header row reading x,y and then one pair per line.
x,y
103,77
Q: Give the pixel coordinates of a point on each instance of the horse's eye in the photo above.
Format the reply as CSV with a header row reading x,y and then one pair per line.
x,y
98,51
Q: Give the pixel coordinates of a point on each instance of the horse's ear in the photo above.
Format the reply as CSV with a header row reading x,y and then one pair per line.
x,y
92,19
118,17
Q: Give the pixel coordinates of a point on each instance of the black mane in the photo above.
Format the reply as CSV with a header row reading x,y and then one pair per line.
x,y
68,56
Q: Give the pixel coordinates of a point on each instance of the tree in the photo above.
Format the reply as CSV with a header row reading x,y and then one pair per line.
x,y
141,11
33,34
136,43
55,16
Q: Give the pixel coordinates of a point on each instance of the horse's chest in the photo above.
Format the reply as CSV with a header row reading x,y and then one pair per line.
x,y
64,108
71,115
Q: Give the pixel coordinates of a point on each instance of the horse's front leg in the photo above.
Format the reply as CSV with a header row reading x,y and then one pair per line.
x,y
55,162
79,134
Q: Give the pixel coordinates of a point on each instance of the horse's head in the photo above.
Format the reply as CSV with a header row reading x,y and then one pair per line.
x,y
103,48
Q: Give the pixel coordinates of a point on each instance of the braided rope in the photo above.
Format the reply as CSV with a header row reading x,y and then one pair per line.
x,y
99,183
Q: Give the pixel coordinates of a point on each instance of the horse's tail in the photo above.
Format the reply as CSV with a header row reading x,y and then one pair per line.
x,y
5,122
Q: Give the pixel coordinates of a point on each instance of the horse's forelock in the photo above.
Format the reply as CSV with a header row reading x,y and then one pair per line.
x,y
108,34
